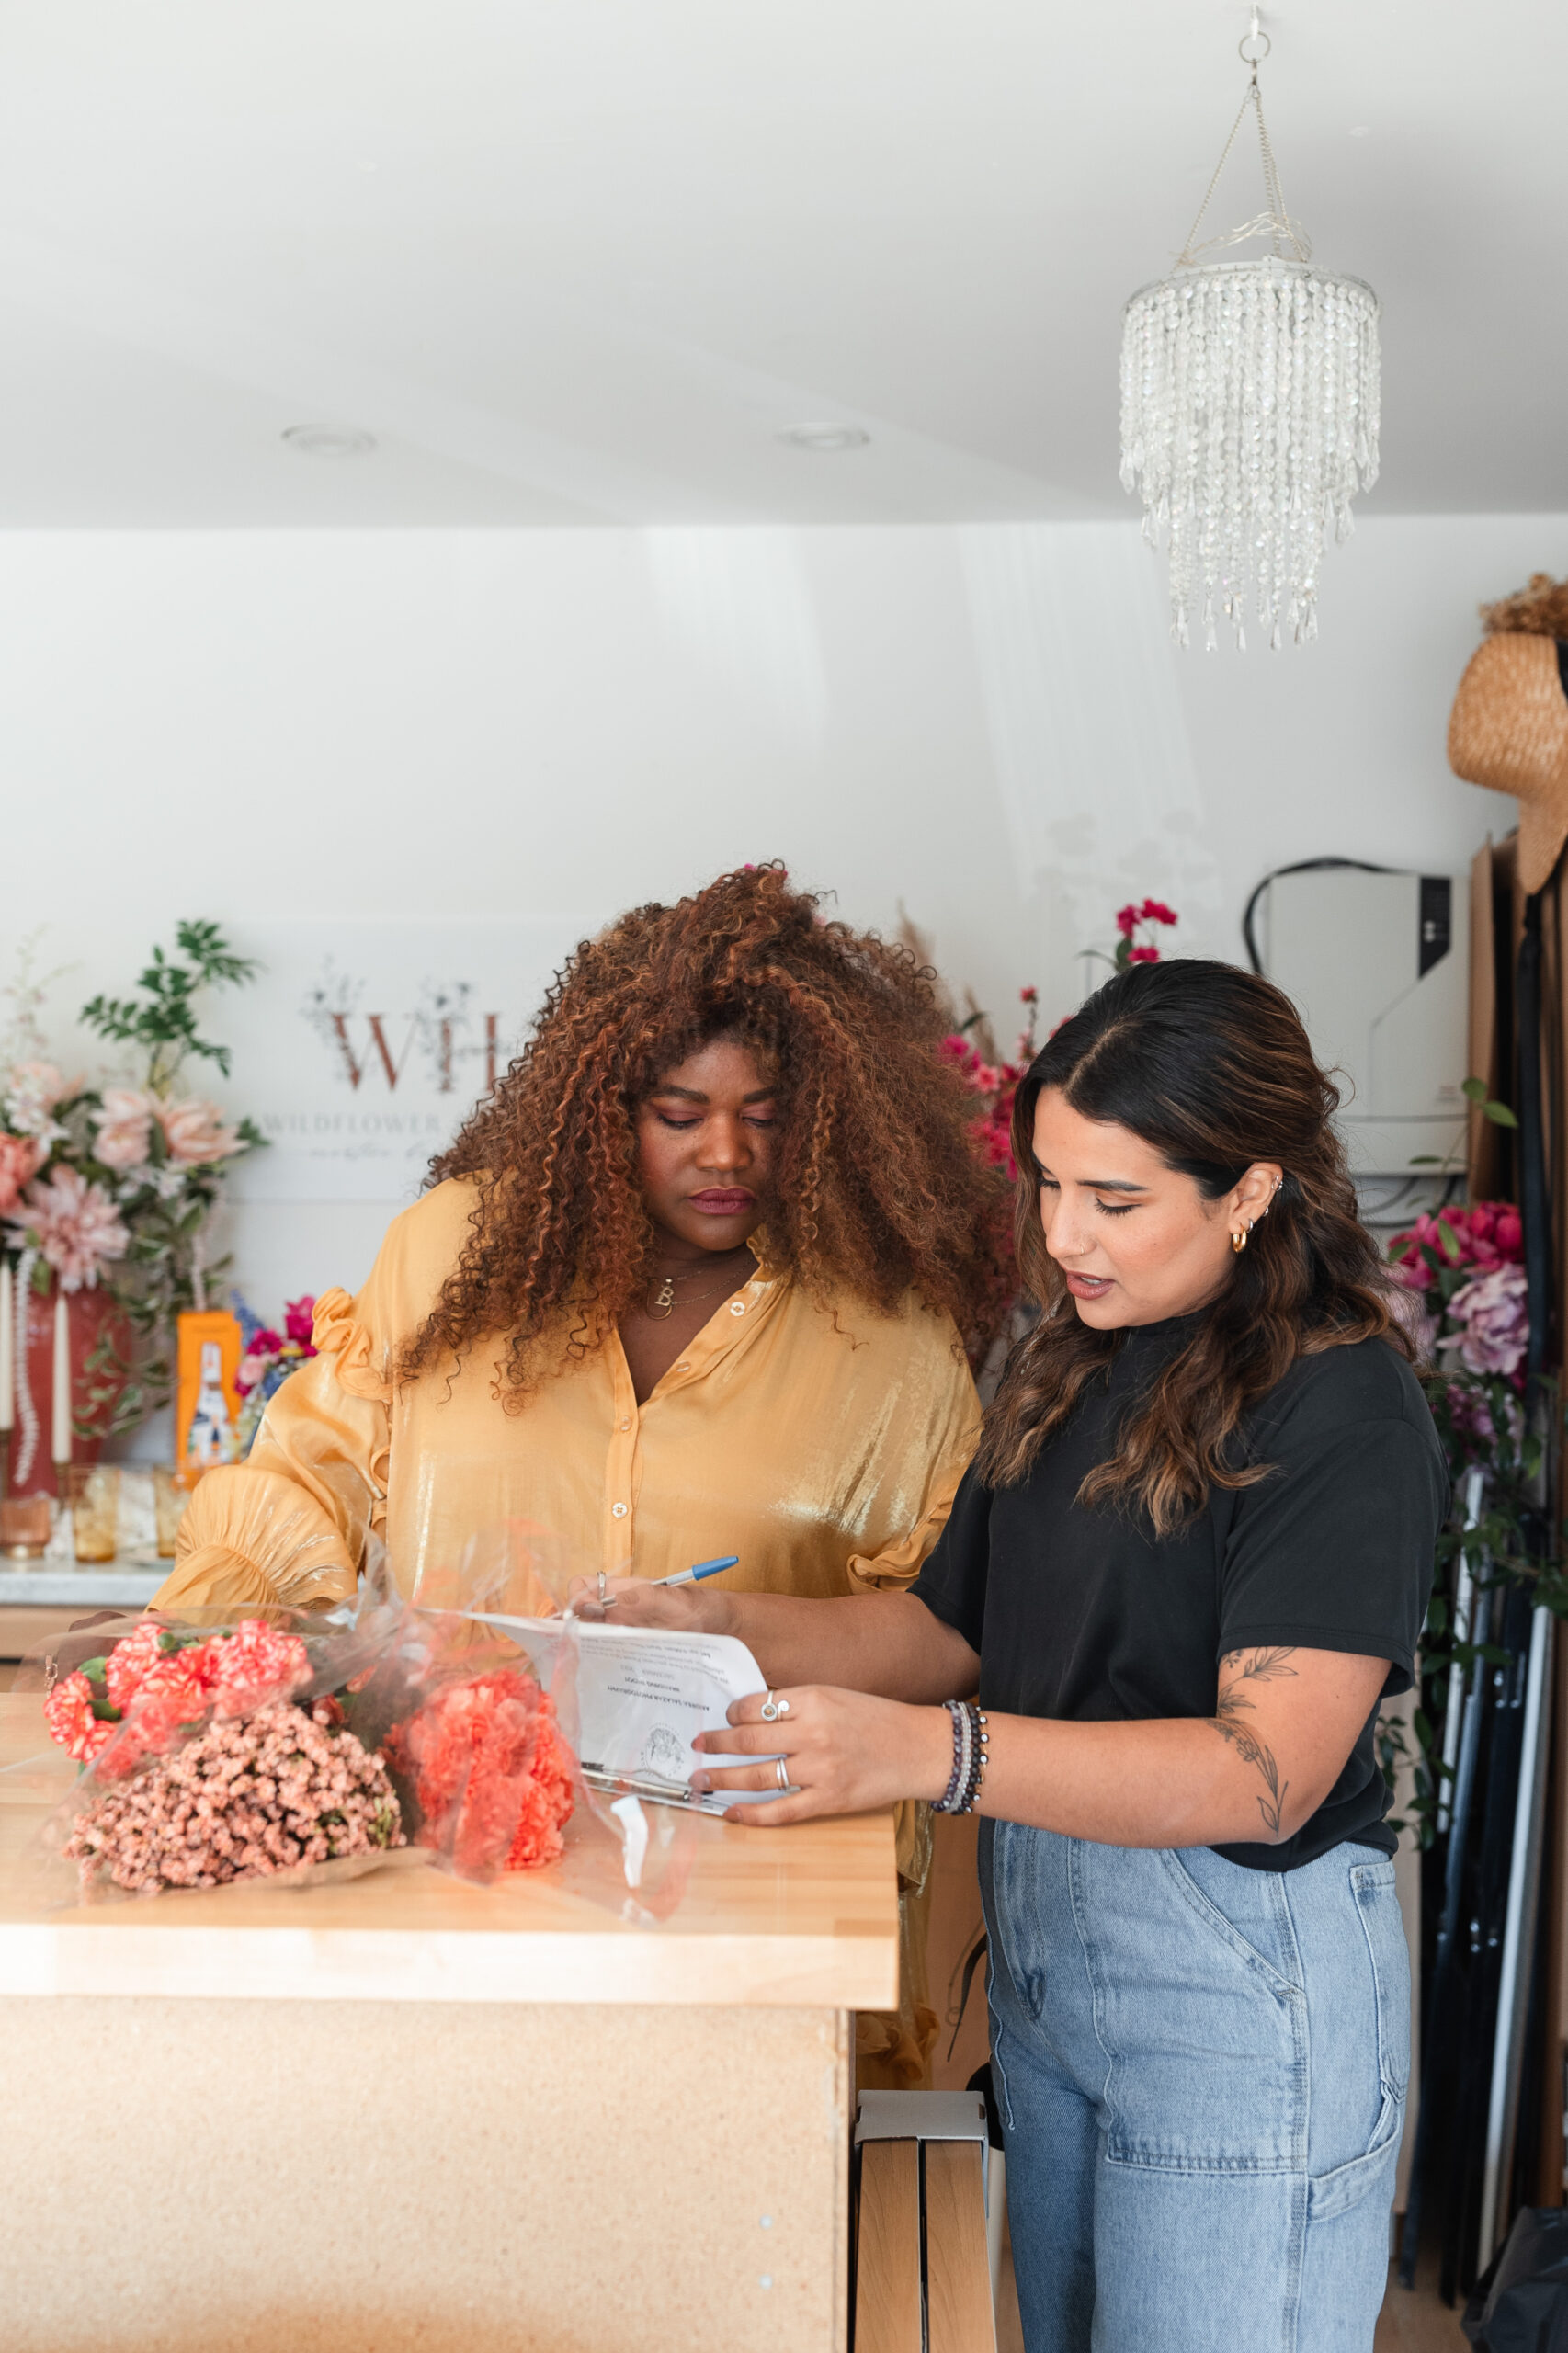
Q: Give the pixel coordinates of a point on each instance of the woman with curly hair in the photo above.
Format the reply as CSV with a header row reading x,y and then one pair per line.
x,y
695,1279
1192,1555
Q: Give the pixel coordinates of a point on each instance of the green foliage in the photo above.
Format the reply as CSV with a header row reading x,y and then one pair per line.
x,y
1482,1423
1498,1113
161,1021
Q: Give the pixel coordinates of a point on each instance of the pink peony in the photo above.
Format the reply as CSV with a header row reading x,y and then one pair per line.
x,y
74,1225
1494,1321
195,1134
20,1160
124,1123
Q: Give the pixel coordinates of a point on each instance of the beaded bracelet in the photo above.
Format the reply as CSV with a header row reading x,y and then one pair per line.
x,y
970,1757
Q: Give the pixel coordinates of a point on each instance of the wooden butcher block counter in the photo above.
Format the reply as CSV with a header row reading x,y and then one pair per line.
x,y
406,2113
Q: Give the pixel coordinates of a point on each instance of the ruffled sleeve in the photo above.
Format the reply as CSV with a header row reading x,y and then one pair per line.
x,y
956,1434
290,1524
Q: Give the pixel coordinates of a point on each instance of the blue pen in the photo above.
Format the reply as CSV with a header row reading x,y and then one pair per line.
x,y
703,1569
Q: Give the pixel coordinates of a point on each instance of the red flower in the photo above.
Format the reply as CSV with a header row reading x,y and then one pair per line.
x,y
1126,919
1029,996
1144,956
1156,911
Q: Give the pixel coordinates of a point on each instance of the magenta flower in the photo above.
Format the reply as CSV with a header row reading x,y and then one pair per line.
x,y
300,1321
1156,911
1493,1322
1126,917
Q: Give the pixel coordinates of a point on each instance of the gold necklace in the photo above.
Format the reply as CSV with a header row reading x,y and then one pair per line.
x,y
663,1303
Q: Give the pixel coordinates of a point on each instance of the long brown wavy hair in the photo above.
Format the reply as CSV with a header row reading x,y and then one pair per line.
x,y
1211,1066
877,1187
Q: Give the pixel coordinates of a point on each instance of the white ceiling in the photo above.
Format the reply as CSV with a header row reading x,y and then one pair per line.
x,y
580,261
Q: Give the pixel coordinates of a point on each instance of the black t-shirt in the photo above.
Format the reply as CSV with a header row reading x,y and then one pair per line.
x,y
1086,1615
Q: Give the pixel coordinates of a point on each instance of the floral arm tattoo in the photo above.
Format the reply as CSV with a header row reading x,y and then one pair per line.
x,y
1232,1706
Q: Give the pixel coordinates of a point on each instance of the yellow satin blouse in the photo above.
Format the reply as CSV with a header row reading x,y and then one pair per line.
x,y
823,1447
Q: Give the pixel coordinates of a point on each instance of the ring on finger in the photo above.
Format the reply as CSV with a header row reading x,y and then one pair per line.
x,y
603,1581
781,1767
773,1707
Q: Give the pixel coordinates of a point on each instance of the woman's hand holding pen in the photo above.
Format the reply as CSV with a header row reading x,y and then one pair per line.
x,y
700,1609
845,1751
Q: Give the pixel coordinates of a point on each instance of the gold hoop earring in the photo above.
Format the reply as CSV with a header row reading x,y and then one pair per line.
x,y
1239,1241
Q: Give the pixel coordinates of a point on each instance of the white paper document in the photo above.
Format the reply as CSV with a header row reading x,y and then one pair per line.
x,y
644,1693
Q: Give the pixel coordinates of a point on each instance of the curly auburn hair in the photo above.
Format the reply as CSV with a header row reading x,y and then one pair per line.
x,y
1211,1066
878,1187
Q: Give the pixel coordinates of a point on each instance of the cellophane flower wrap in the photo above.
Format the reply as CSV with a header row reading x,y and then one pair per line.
x,y
217,1753
486,1775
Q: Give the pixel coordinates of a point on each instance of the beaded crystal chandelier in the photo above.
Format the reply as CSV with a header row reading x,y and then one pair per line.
x,y
1249,411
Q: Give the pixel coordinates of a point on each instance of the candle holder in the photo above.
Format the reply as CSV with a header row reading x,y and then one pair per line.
x,y
24,1525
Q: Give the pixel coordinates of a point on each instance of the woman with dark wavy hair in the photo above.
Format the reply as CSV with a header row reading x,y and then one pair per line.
x,y
694,1281
1191,1559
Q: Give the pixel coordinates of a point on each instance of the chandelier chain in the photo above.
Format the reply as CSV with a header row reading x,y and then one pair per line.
x,y
1275,223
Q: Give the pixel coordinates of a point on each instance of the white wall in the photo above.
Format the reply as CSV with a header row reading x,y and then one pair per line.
x,y
987,725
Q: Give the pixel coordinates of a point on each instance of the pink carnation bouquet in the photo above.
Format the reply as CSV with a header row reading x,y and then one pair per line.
x,y
215,1756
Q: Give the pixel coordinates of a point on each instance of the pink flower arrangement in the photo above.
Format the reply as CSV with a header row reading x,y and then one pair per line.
x,y
245,1798
996,1084
74,1224
1487,1236
155,1682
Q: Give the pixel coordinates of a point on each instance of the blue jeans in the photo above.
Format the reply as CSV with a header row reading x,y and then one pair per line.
x,y
1200,2070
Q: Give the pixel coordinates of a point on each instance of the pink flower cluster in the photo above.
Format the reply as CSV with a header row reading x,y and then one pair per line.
x,y
155,1682
491,1772
284,1786
997,1084
193,1131
268,1347
73,1225
1127,920
1486,1236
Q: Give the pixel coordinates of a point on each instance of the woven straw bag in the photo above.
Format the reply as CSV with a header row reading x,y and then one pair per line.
x,y
1508,730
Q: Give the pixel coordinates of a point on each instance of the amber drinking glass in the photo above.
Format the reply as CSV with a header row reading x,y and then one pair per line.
x,y
92,1490
173,1485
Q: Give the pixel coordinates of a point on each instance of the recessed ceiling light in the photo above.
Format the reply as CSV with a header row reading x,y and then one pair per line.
x,y
824,437
330,440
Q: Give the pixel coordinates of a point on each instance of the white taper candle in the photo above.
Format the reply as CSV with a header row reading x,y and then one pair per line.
x,y
7,1347
62,1383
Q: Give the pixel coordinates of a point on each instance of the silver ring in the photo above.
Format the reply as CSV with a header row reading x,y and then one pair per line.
x,y
771,1711
781,1767
603,1582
